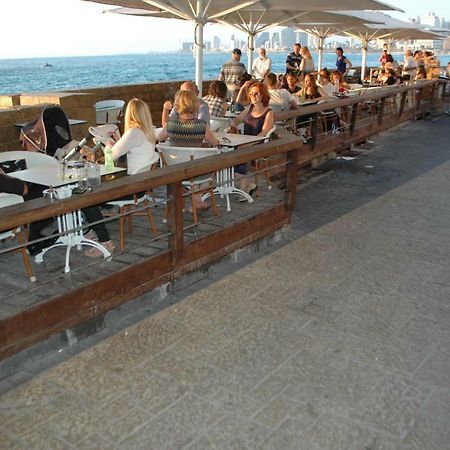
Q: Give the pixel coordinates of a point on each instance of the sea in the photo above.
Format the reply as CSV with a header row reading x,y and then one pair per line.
x,y
50,74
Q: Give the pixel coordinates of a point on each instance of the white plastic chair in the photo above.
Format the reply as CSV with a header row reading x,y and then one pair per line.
x,y
33,159
108,111
219,123
177,155
8,200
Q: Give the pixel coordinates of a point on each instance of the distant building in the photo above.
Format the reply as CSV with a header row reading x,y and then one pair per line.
x,y
261,39
207,46
302,38
287,38
275,41
187,46
430,20
216,43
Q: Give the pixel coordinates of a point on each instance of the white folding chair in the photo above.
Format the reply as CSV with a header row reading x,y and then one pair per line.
x,y
108,111
19,232
176,155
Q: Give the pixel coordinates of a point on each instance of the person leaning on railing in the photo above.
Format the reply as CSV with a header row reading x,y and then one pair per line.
x,y
258,119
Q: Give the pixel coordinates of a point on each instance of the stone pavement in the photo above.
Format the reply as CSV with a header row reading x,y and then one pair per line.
x,y
337,340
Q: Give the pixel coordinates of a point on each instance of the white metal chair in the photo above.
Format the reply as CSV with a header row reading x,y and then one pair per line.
x,y
125,206
108,111
176,155
19,232
32,159
220,123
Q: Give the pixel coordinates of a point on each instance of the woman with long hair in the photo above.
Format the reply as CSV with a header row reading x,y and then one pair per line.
x,y
138,141
311,90
217,99
307,63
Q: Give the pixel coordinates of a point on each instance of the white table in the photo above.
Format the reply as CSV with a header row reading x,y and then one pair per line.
x,y
225,177
52,176
68,224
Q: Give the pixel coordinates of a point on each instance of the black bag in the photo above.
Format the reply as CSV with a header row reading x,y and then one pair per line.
x,y
13,166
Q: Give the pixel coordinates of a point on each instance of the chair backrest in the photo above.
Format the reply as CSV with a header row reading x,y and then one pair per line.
x,y
177,155
108,111
269,133
219,123
8,200
33,159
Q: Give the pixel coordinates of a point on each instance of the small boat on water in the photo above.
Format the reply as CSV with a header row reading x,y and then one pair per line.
x,y
47,65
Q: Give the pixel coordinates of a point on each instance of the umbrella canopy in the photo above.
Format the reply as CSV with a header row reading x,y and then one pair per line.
x,y
201,12
319,23
390,29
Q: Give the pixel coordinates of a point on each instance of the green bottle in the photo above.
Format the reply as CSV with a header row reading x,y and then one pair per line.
x,y
109,161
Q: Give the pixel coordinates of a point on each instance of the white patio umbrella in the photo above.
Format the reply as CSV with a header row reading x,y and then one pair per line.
x,y
391,29
253,22
203,11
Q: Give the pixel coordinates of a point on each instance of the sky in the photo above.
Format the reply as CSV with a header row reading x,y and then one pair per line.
x,y
46,28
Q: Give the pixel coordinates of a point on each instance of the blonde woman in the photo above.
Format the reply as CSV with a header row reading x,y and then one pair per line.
x,y
307,63
186,130
138,140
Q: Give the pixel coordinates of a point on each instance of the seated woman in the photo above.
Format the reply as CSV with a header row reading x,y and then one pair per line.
x,y
138,141
258,120
138,144
325,82
217,99
187,131
280,99
338,82
310,91
389,78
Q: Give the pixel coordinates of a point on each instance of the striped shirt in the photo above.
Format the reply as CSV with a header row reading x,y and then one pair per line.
x,y
232,71
190,133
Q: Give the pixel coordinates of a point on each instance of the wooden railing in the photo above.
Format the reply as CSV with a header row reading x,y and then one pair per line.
x,y
84,303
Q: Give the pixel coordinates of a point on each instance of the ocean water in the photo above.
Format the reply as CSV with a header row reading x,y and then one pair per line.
x,y
30,75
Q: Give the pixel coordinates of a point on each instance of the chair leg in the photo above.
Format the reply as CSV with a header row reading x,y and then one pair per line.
x,y
194,208
26,259
122,228
151,220
267,173
212,199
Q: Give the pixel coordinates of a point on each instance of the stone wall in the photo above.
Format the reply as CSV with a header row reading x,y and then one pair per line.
x,y
78,104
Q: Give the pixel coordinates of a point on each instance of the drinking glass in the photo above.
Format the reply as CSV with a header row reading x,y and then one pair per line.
x,y
93,175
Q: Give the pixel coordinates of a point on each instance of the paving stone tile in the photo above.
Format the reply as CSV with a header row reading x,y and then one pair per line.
x,y
394,406
95,442
175,427
9,443
232,432
157,394
43,438
126,424
282,407
436,368
200,378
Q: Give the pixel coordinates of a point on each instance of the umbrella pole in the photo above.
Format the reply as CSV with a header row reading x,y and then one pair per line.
x,y
320,51
199,47
365,45
250,50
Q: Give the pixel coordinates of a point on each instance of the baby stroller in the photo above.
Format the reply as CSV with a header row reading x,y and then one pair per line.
x,y
49,132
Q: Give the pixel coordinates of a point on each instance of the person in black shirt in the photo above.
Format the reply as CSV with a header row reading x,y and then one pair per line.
x,y
294,59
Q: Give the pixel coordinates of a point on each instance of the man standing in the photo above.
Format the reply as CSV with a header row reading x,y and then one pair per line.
x,y
294,59
343,65
262,65
231,72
